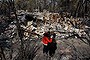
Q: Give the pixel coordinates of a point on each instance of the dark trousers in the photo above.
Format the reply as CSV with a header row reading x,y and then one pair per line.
x,y
45,49
52,47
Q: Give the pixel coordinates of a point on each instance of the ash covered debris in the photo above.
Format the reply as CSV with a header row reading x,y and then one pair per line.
x,y
72,36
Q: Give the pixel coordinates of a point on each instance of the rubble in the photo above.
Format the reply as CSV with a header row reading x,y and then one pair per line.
x,y
64,27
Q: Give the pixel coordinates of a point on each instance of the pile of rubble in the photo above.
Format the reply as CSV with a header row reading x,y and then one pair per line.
x,y
40,22
55,22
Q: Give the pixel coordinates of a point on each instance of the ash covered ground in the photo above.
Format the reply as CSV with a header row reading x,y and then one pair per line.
x,y
72,36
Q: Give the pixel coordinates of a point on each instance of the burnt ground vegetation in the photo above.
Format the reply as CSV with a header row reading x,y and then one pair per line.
x,y
21,29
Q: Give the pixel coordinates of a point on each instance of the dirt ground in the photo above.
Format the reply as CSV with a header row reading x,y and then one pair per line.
x,y
67,49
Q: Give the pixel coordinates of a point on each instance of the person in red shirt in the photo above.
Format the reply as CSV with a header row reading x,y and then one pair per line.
x,y
46,40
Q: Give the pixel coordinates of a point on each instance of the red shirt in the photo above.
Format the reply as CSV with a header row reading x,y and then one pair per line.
x,y
45,40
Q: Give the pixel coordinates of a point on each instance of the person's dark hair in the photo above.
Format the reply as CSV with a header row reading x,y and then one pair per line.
x,y
54,35
47,34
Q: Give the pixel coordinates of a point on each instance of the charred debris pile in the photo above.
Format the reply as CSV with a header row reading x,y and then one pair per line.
x,y
25,40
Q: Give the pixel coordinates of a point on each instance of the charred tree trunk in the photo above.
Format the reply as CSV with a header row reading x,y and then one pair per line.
x,y
2,52
20,34
86,7
78,9
45,4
